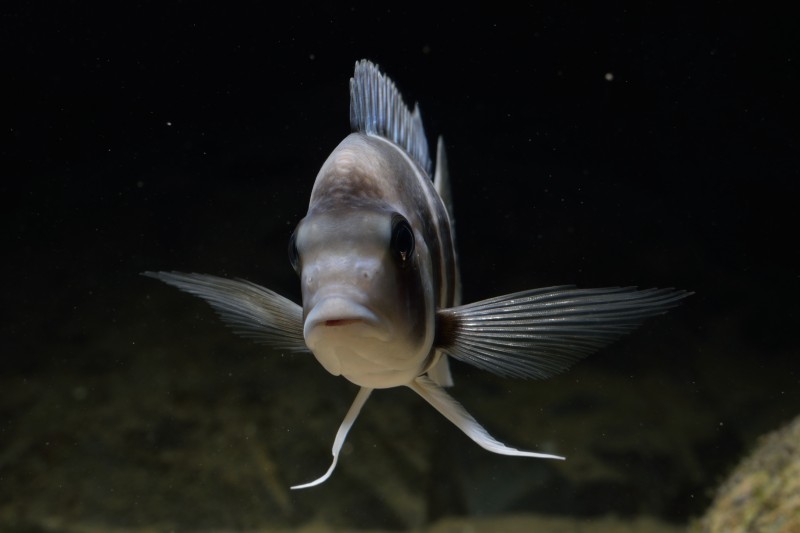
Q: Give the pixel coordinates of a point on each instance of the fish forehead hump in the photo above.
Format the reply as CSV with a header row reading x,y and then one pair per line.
x,y
368,172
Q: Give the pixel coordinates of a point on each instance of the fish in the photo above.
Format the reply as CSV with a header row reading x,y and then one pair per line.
x,y
381,288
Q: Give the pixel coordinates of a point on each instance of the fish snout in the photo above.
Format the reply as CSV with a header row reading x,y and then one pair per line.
x,y
344,335
346,315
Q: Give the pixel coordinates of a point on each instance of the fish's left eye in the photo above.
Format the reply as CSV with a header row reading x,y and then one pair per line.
x,y
402,243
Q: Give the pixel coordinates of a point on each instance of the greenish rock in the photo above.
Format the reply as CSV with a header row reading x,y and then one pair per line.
x,y
763,492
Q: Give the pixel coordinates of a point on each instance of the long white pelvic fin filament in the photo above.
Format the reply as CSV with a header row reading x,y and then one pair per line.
x,y
338,442
455,413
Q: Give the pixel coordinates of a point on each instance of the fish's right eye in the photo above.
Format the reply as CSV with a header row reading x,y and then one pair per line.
x,y
294,255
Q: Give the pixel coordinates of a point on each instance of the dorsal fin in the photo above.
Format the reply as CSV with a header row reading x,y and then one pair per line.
x,y
441,181
377,108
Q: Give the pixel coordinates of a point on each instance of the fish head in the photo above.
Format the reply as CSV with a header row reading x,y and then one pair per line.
x,y
364,304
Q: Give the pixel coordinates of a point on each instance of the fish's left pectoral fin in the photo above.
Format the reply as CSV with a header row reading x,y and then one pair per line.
x,y
249,309
541,332
338,442
455,413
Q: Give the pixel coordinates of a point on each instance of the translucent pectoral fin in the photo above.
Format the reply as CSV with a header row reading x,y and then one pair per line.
x,y
251,310
541,332
455,413
347,423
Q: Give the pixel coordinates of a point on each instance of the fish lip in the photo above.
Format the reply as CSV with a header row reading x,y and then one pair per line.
x,y
339,312
336,322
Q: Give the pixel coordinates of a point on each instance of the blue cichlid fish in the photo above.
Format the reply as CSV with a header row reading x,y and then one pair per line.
x,y
381,291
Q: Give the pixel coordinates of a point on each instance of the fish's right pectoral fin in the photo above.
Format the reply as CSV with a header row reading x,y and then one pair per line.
x,y
455,413
249,309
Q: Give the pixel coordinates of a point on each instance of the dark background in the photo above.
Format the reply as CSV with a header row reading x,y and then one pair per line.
x,y
632,144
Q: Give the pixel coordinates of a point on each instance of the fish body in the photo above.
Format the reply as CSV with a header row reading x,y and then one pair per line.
x,y
376,259
380,284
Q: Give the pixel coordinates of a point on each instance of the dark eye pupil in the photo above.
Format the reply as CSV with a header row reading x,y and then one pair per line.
x,y
402,239
294,255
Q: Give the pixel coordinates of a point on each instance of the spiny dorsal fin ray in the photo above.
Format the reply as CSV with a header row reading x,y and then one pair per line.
x,y
377,108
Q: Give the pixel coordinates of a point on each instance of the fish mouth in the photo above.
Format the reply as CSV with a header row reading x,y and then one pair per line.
x,y
339,313
342,322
